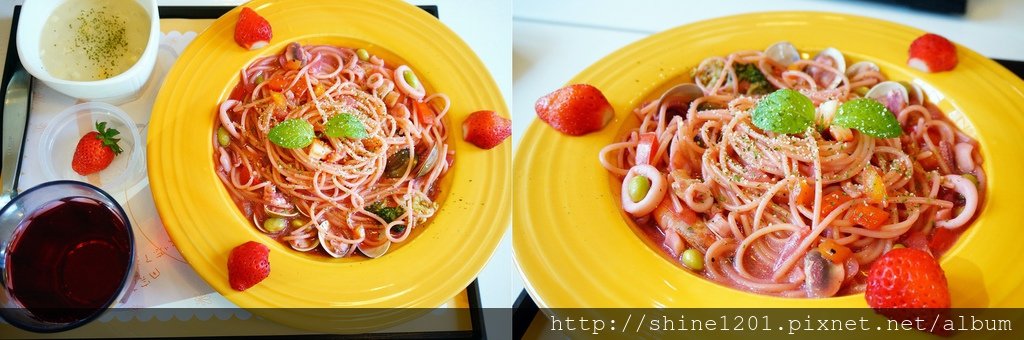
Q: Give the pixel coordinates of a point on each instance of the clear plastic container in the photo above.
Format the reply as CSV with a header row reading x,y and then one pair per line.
x,y
59,139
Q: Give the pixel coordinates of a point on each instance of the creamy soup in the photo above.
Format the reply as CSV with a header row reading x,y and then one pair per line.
x,y
94,39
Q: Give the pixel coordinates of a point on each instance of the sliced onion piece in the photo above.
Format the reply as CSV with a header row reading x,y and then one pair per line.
x,y
966,189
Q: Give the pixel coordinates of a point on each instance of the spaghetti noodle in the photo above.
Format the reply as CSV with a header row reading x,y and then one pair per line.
x,y
338,193
762,206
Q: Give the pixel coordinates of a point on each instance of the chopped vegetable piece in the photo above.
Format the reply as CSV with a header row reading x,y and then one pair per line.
x,y
831,201
277,97
319,90
874,185
425,113
784,111
638,188
298,222
898,246
752,75
869,216
709,75
363,54
223,138
292,133
692,259
941,240
833,251
277,82
292,65
804,193
410,78
388,214
274,224
869,117
345,125
646,147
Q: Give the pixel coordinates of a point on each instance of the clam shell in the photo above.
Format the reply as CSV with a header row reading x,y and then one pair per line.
x,y
891,94
915,95
783,53
280,214
863,66
306,244
376,251
332,247
824,278
836,56
838,62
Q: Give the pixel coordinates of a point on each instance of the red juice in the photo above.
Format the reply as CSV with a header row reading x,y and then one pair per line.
x,y
68,259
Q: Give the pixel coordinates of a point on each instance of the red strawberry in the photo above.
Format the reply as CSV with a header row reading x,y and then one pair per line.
x,y
932,53
576,109
248,265
486,129
96,150
906,278
252,31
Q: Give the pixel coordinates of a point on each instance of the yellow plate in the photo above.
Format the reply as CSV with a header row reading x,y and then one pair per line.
x,y
205,225
575,248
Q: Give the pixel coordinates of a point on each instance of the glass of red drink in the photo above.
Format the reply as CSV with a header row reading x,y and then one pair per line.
x,y
66,253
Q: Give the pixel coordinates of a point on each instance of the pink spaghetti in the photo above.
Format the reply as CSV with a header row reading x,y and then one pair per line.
x,y
337,194
767,212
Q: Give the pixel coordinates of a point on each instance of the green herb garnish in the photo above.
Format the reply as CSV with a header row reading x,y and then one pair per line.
x,y
345,125
869,117
292,133
784,111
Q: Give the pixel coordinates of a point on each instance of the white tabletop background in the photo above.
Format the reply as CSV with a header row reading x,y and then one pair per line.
x,y
555,40
538,45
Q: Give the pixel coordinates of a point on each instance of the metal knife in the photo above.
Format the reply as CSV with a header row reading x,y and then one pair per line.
x,y
15,117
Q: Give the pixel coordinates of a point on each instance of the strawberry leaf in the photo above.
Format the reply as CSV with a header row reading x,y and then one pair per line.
x,y
106,136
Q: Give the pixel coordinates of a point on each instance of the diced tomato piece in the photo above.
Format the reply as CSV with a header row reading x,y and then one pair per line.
x,y
425,113
238,92
292,65
941,240
300,89
277,82
833,251
833,200
869,216
929,163
646,147
804,194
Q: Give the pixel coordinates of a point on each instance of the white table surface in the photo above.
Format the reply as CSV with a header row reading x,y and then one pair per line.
x,y
555,40
486,27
